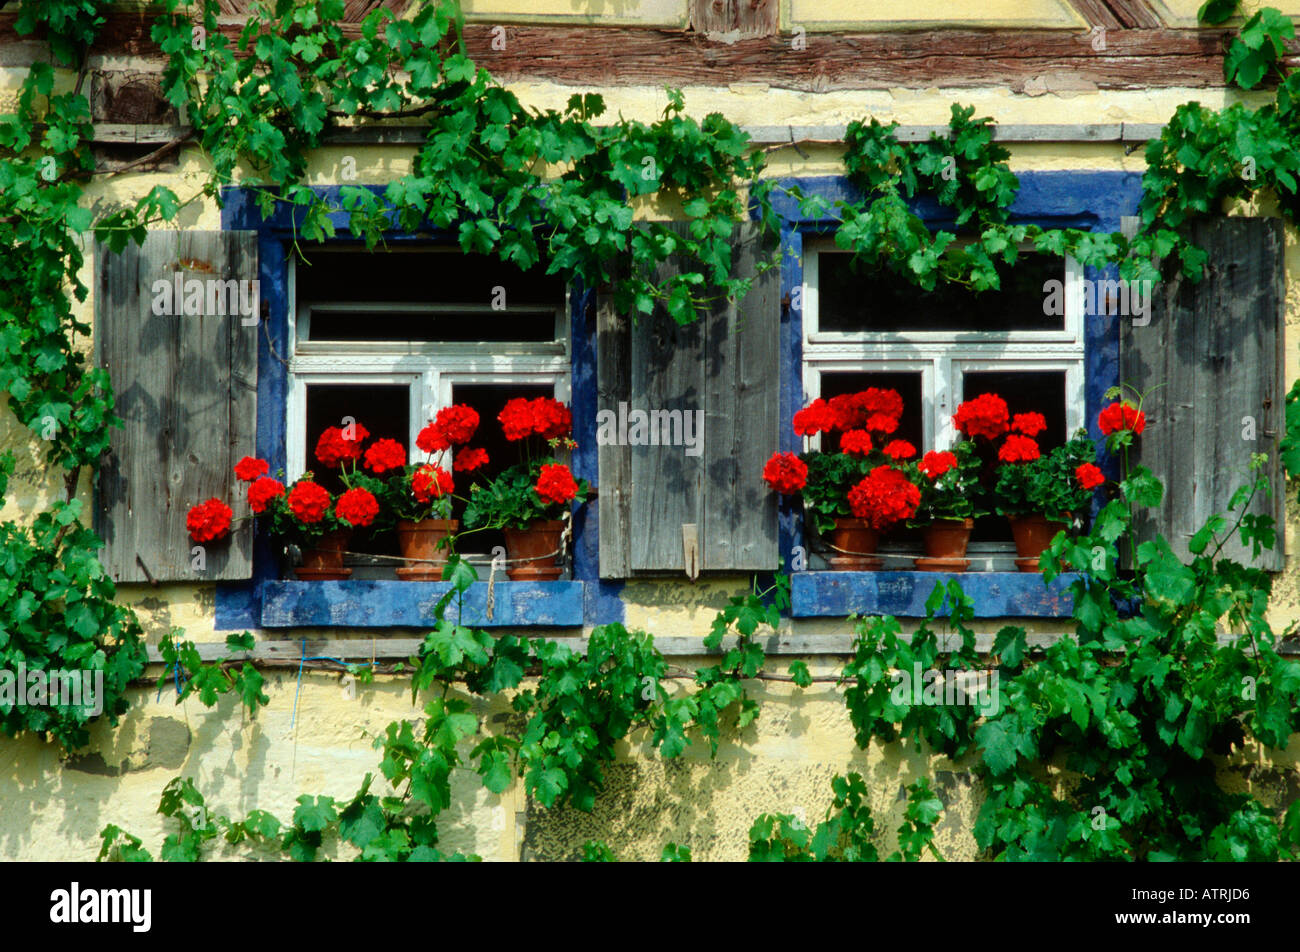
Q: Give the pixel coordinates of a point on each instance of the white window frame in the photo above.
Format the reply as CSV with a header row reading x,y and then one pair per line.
x,y
943,358
1070,334
429,368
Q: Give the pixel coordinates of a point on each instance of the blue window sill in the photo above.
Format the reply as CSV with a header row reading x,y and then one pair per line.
x,y
381,603
995,594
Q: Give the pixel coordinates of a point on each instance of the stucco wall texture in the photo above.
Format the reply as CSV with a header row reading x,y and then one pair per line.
x,y
54,806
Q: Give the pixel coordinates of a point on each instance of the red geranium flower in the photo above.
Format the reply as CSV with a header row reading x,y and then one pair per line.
x,y
1089,476
384,455
516,418
900,450
551,418
1122,416
878,400
429,482
815,418
457,423
1030,424
845,412
881,423
885,496
556,484
986,415
262,491
309,502
335,446
856,442
208,520
786,473
250,467
432,439
1019,449
470,459
357,507
935,464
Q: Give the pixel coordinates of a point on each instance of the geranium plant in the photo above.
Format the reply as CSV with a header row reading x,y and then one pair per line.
x,y
949,481
862,426
305,510
537,488
1058,484
419,491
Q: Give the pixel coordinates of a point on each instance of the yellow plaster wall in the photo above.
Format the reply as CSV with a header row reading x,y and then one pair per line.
x,y
671,13
54,809
1182,13
868,15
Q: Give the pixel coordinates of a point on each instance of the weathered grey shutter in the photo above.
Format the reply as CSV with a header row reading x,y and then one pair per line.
x,y
186,387
726,365
1213,352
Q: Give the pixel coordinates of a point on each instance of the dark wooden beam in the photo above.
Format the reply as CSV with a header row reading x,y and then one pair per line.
x,y
625,56
1097,13
1135,14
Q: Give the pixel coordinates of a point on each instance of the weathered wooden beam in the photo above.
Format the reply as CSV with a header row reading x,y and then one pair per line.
x,y
1135,13
109,133
630,56
386,649
1097,13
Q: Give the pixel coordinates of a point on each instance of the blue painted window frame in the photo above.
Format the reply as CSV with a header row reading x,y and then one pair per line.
x,y
1092,200
1089,200
587,599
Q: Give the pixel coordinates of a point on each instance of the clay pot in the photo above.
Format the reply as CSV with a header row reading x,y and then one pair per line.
x,y
419,540
539,547
324,561
854,536
945,546
1033,533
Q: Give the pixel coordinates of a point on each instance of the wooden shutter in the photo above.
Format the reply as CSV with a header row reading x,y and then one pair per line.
x,y
186,387
726,365
1213,352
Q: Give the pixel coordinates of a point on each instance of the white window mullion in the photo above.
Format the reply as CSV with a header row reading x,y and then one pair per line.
x,y
945,404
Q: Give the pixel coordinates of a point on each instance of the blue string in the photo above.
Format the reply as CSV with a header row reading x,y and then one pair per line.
x,y
340,661
299,689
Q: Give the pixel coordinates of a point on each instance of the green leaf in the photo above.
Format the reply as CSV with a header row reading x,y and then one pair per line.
x,y
314,814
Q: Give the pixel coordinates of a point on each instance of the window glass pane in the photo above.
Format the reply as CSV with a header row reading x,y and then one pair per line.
x,y
488,400
854,298
908,385
384,410
497,301
1041,391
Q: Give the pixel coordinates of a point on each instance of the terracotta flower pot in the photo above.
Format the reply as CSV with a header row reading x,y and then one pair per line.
x,y
538,546
854,543
419,540
1033,533
945,546
324,561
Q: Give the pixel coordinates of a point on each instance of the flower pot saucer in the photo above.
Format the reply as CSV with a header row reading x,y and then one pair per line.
x,y
926,564
321,575
419,573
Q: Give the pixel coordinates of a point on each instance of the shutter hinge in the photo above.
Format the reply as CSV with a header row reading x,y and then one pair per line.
x,y
691,549
147,574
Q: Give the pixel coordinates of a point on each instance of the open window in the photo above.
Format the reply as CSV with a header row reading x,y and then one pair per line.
x,y
390,337
865,328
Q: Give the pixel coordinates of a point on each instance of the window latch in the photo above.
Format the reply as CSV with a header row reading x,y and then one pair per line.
x,y
691,549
